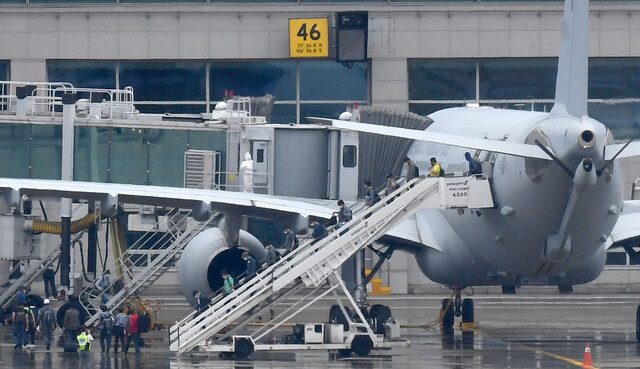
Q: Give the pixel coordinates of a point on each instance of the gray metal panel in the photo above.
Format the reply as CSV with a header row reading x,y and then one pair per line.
x,y
301,162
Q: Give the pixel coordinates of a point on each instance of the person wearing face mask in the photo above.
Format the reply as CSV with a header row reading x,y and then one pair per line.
x,y
291,241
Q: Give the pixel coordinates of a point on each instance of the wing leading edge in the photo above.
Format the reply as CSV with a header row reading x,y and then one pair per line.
x,y
197,199
504,147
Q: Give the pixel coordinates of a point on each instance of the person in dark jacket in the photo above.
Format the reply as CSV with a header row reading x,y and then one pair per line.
x,y
202,302
319,231
369,195
252,265
474,166
291,240
411,168
71,323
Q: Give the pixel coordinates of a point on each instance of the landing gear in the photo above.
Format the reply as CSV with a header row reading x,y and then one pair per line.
x,y
467,311
565,289
456,307
380,314
638,324
447,313
508,290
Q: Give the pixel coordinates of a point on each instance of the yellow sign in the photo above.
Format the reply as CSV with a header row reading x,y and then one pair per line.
x,y
309,38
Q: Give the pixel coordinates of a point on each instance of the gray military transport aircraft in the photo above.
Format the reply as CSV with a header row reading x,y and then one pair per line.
x,y
556,183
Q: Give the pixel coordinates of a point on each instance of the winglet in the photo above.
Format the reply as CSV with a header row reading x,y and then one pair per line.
x,y
571,82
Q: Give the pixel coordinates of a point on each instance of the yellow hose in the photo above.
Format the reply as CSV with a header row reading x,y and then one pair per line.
x,y
45,226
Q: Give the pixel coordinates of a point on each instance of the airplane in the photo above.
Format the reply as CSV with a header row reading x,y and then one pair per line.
x,y
555,177
556,182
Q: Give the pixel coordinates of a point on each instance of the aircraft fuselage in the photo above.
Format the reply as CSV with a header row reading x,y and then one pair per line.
x,y
547,227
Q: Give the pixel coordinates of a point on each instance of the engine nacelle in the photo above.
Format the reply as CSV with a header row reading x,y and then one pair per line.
x,y
207,254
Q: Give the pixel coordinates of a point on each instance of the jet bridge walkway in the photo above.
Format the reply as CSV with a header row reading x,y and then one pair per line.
x,y
34,271
160,253
313,263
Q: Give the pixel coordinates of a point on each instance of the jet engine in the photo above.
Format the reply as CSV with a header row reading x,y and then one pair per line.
x,y
207,254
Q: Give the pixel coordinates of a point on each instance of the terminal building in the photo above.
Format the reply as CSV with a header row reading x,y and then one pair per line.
x,y
312,59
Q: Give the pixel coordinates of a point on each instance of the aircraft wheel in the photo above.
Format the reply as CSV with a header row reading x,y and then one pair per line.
x,y
381,313
565,289
361,345
448,316
336,316
35,300
638,324
243,347
467,311
508,290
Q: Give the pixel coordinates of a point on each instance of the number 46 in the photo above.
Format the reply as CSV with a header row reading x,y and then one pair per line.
x,y
314,34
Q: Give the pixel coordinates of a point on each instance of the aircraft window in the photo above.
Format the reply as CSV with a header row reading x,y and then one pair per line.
x,y
616,258
349,156
260,156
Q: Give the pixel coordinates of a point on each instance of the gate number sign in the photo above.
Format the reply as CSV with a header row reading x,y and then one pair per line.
x,y
309,38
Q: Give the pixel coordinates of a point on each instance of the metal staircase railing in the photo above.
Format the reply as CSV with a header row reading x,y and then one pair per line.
x,y
34,271
310,264
160,251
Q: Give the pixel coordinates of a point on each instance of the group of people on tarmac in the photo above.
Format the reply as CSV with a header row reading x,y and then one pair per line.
x,y
124,327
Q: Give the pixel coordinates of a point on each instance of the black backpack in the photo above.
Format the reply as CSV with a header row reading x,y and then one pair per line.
x,y
49,319
106,323
416,172
441,172
144,323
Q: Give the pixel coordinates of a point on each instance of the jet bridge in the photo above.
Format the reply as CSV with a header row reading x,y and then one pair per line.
x,y
314,265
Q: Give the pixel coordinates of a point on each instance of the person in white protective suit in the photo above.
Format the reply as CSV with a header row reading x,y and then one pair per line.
x,y
246,169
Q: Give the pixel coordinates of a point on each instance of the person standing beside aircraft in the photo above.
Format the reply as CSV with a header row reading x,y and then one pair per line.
x,y
474,166
411,168
435,168
246,169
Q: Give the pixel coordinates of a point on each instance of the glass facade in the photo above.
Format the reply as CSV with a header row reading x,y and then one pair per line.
x,y
325,87
121,155
528,84
4,70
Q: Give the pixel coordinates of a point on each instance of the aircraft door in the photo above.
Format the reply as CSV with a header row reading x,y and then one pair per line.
x,y
260,155
349,165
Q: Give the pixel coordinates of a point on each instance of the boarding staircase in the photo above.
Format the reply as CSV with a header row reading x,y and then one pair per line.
x,y
33,272
160,253
311,263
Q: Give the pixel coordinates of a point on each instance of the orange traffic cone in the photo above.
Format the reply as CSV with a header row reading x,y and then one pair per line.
x,y
588,361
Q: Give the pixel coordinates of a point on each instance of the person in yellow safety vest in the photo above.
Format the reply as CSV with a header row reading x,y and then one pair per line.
x,y
84,339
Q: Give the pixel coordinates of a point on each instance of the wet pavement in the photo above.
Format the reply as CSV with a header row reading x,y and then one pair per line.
x,y
531,331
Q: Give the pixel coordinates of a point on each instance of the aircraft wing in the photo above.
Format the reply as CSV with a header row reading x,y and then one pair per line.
x,y
632,149
196,199
504,147
628,224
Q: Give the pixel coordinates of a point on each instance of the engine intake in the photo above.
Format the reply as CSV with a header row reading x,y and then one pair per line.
x,y
204,258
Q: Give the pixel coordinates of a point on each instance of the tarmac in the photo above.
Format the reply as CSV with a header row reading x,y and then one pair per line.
x,y
542,329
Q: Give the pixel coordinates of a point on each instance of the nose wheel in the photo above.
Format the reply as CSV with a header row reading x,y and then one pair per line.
x,y
456,307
